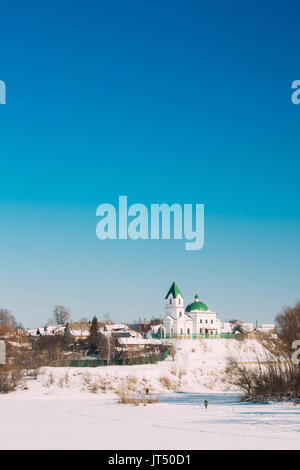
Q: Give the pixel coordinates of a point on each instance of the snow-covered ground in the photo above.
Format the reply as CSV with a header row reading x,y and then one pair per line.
x,y
78,408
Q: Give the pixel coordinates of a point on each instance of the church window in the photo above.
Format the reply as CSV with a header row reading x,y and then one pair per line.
x,y
179,300
170,301
212,321
188,331
181,331
206,321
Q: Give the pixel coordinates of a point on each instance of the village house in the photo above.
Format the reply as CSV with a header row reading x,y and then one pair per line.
x,y
79,330
120,330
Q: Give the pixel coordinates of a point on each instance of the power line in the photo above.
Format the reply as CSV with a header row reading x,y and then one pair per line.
x,y
82,309
68,295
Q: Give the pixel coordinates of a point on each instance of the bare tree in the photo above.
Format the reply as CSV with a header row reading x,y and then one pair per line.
x,y
107,319
271,375
288,325
107,346
7,319
61,314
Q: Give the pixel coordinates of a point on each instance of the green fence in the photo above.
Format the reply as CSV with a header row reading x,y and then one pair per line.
x,y
121,361
87,363
204,336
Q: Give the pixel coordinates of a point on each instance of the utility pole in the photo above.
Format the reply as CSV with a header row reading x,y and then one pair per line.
x,y
108,358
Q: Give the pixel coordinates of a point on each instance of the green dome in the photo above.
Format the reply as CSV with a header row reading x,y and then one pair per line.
x,y
196,305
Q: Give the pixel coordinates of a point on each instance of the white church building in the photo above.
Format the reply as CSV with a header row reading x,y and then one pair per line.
x,y
194,319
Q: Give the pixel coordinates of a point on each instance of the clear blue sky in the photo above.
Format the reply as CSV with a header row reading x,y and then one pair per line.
x,y
162,101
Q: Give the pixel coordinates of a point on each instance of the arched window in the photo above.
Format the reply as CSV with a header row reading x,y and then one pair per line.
x,y
179,300
170,301
188,331
180,314
181,331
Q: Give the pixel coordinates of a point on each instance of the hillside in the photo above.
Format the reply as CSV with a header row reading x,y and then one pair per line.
x,y
199,366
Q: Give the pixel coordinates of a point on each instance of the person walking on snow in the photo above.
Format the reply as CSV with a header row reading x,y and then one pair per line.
x,y
206,404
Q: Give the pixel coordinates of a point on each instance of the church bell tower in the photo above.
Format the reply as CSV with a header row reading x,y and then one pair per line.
x,y
174,302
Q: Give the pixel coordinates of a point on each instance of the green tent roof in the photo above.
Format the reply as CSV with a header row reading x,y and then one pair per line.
x,y
174,290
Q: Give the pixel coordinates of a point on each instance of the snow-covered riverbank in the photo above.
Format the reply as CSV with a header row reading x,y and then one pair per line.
x,y
69,408
178,422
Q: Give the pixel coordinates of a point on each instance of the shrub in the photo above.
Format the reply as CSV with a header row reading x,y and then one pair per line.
x,y
173,352
94,387
142,397
166,382
272,376
10,379
132,383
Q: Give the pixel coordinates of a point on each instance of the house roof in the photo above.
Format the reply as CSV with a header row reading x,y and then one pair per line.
x,y
169,317
47,330
187,317
79,328
138,341
174,290
115,326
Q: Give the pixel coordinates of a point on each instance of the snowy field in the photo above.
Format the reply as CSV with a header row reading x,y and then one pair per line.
x,y
63,409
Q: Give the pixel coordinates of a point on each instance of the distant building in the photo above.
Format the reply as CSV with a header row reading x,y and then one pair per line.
x,y
267,328
47,330
248,327
194,319
225,327
30,332
79,330
242,327
120,330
